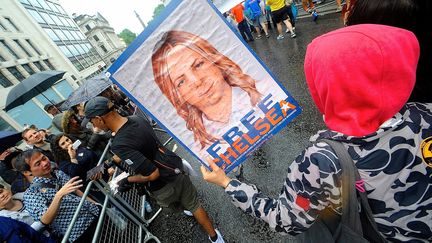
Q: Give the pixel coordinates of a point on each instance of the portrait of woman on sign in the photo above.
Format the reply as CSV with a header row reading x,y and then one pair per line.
x,y
206,88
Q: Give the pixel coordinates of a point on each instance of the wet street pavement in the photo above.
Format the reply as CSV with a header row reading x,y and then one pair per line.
x,y
267,168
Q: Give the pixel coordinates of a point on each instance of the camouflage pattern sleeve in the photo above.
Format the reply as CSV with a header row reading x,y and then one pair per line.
x,y
310,186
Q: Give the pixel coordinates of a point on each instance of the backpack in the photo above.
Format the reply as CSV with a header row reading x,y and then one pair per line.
x,y
13,231
169,164
294,11
352,226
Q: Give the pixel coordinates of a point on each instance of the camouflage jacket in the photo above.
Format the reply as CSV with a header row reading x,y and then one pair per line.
x,y
395,163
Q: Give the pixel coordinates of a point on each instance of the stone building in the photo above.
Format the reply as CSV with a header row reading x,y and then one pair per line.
x,y
38,35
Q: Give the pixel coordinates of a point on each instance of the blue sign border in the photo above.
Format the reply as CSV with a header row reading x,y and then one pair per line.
x,y
143,37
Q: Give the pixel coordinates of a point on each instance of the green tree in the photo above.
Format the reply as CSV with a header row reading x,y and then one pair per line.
x,y
127,35
158,10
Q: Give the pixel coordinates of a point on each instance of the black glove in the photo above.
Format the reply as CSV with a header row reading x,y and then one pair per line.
x,y
124,185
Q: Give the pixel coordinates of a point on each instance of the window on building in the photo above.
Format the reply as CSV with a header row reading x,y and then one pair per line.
x,y
66,51
16,73
32,46
73,77
48,63
76,63
49,96
103,49
10,50
68,34
12,23
28,68
4,81
56,20
61,34
30,113
43,4
64,21
61,10
25,1
52,34
87,27
22,48
53,8
39,66
64,88
74,50
47,18
75,35
35,3
2,27
96,38
80,49
83,37
36,16
71,23
4,126
85,61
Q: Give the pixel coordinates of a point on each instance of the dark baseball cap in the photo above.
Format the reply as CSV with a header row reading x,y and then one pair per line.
x,y
48,106
97,106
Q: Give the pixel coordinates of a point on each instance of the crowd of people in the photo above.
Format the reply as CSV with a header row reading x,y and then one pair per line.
x,y
375,103
261,15
44,175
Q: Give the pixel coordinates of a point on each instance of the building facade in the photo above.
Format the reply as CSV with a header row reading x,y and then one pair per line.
x,y
101,35
38,35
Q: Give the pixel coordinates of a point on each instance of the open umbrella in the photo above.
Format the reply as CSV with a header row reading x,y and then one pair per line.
x,y
8,139
89,89
31,87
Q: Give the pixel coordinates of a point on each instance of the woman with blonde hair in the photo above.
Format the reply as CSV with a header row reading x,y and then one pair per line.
x,y
199,82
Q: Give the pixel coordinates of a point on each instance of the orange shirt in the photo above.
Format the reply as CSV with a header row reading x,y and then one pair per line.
x,y
238,12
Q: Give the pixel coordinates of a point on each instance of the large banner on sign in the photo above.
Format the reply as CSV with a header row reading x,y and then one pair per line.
x,y
203,84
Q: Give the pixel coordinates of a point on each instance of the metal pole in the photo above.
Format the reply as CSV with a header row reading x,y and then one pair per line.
x,y
100,221
75,217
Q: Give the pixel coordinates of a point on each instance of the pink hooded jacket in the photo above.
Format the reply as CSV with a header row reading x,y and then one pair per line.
x,y
360,76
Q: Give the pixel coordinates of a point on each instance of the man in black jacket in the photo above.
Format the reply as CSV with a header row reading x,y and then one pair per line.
x,y
136,144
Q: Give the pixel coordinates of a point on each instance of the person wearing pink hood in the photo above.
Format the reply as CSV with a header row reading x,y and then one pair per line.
x,y
363,102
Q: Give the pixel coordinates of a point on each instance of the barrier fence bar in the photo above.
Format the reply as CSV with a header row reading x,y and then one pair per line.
x,y
136,215
101,220
75,217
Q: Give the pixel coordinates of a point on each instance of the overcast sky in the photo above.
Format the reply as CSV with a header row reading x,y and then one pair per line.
x,y
119,13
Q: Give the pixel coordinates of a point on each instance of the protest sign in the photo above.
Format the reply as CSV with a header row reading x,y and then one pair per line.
x,y
201,82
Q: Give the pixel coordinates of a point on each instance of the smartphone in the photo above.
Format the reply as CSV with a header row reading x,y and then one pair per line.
x,y
76,144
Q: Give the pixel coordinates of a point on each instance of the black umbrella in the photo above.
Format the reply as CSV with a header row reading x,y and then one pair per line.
x,y
31,87
8,139
89,89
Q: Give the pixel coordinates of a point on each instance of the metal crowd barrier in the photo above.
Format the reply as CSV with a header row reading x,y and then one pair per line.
x,y
127,207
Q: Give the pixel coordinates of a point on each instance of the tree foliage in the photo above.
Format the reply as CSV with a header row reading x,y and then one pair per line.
x,y
158,10
127,35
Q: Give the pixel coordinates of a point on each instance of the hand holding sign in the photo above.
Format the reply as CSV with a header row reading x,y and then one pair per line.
x,y
217,176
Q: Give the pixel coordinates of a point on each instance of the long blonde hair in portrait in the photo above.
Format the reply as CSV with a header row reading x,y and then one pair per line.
x,y
231,72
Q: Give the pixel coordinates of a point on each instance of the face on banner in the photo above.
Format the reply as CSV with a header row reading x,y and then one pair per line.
x,y
197,80
205,87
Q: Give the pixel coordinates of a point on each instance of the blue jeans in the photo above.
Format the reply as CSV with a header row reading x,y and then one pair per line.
x,y
245,30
